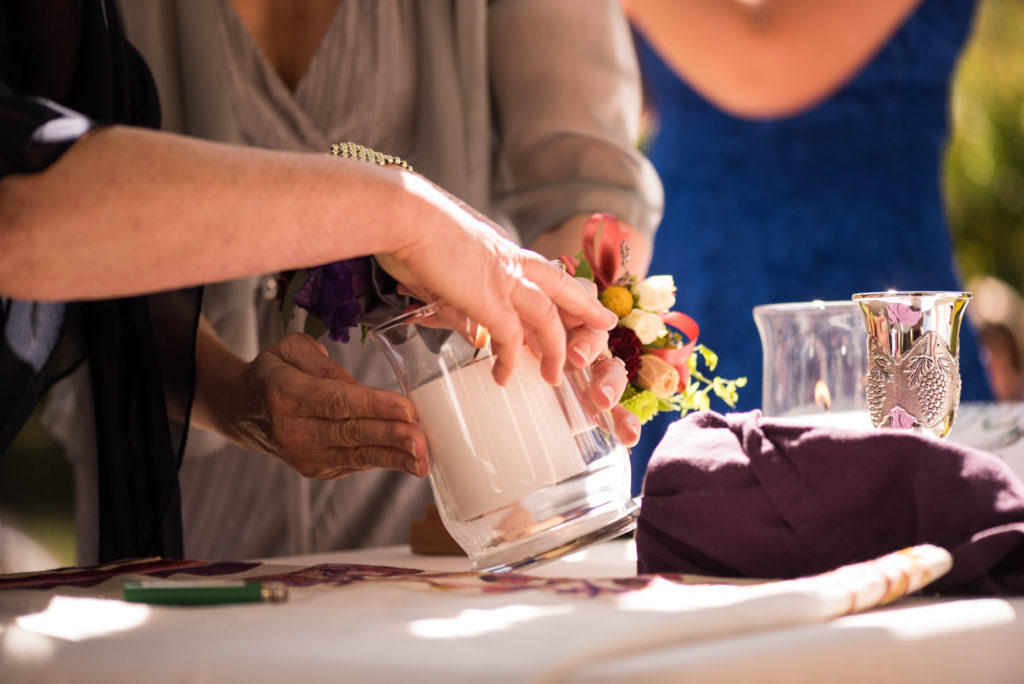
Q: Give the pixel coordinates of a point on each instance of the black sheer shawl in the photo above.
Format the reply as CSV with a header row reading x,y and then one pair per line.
x,y
65,68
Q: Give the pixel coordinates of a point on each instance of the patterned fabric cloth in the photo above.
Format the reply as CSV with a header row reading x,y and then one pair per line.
x,y
862,586
379,623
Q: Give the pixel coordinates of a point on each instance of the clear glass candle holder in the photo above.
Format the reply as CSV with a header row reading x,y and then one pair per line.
x,y
521,474
814,357
913,366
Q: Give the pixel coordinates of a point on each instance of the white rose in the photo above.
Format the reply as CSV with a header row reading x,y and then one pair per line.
x,y
657,293
647,326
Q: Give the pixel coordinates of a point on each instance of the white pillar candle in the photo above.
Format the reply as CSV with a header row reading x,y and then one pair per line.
x,y
492,445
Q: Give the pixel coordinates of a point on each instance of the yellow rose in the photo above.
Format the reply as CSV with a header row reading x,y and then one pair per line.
x,y
657,376
618,300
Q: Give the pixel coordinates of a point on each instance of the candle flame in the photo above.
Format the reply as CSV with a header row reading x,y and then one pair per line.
x,y
822,397
481,337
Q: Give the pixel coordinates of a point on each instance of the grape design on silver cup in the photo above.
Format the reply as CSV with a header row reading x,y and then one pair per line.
x,y
913,373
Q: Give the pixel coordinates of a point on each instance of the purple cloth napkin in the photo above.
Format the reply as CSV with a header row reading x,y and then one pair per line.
x,y
744,496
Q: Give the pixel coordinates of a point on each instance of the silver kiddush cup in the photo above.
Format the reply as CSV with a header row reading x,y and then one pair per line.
x,y
913,373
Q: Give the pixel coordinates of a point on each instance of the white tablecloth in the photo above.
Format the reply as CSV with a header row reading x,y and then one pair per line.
x,y
372,632
397,632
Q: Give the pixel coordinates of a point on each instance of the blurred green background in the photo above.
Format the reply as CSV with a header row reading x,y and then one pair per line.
x,y
985,170
985,198
37,496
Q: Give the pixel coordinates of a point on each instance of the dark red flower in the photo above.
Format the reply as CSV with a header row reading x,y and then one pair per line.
x,y
623,343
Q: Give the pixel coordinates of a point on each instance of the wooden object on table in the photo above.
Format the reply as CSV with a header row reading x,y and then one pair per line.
x,y
428,536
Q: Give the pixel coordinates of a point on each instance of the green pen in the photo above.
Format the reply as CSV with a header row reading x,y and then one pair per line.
x,y
203,592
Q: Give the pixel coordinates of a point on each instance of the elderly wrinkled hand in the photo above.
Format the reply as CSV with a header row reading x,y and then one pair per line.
x,y
311,413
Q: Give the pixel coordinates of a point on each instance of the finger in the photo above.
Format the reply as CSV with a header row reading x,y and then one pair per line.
x,y
586,344
540,317
588,285
627,425
569,320
535,305
506,322
353,460
505,352
608,382
338,401
372,443
356,432
568,293
310,356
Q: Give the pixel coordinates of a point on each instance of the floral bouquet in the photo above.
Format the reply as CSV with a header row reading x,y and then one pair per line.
x,y
667,369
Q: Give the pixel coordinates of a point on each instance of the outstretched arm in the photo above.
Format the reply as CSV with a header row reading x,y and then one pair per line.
x,y
127,211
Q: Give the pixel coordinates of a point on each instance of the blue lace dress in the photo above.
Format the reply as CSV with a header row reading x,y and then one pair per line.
x,y
840,199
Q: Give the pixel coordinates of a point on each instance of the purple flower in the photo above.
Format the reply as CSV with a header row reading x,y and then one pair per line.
x,y
331,293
